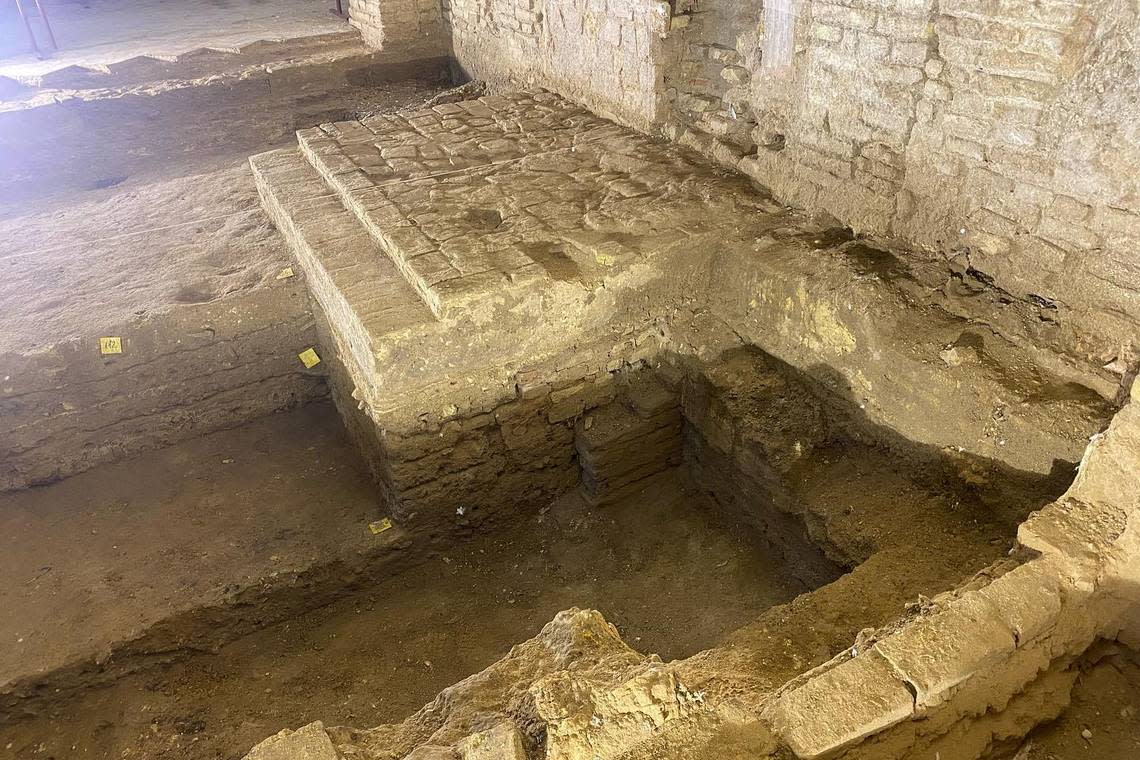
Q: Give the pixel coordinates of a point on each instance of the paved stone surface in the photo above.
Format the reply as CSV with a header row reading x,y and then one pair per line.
x,y
515,190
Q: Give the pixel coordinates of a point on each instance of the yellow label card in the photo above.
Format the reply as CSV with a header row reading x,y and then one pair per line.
x,y
285,273
309,358
110,346
380,526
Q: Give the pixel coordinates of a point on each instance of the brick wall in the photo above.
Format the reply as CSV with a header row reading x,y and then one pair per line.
x,y
602,53
1002,135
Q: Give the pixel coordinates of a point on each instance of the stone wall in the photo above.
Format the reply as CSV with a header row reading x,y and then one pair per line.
x,y
983,665
181,374
396,23
1001,135
997,137
602,53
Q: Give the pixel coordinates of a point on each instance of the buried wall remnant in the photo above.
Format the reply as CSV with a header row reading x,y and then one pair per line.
x,y
963,673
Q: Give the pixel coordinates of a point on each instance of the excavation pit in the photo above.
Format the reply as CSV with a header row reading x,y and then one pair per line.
x,y
580,368
705,503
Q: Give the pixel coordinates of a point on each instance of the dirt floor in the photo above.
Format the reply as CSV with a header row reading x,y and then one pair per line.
x,y
106,31
1103,720
144,250
670,576
95,559
672,571
193,233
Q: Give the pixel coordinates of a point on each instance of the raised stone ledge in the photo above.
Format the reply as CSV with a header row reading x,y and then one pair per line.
x,y
841,706
984,647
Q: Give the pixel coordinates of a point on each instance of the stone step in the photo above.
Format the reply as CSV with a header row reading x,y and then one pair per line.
x,y
363,295
457,194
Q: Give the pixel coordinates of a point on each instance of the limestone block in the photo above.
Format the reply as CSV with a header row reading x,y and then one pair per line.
x,y
1110,471
1074,531
1028,598
307,743
503,742
585,720
936,653
841,706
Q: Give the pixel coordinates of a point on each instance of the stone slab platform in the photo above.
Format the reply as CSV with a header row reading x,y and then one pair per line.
x,y
511,192
527,227
509,257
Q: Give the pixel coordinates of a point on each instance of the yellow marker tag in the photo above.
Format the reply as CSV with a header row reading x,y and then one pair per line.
x,y
605,259
380,526
285,273
309,358
110,346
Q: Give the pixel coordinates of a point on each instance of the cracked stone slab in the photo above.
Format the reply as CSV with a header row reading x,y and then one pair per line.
x,y
936,653
841,706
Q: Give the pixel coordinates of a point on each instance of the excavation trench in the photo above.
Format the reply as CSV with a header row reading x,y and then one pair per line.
x,y
709,498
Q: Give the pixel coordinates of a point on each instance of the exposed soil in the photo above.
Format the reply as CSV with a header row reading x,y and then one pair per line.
x,y
94,559
673,572
1103,720
113,255
659,565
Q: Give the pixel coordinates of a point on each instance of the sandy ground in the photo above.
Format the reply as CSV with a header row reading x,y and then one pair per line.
x,y
191,232
94,32
1103,721
96,558
659,565
113,255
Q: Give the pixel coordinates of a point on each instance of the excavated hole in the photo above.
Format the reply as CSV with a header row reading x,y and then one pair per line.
x,y
707,496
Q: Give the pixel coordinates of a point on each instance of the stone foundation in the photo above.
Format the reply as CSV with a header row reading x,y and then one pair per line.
x,y
460,216
436,240
181,374
624,443
959,675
